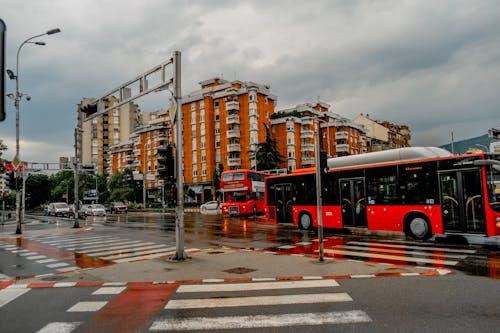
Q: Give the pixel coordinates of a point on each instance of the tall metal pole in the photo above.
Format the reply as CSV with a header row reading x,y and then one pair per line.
x,y
17,100
76,204
319,201
179,209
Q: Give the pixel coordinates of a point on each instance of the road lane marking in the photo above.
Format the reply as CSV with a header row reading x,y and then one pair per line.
x,y
135,254
391,257
9,294
123,250
407,251
109,290
402,246
195,288
100,247
59,327
260,321
257,300
87,306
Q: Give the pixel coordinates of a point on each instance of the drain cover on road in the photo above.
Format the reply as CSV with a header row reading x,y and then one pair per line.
x,y
239,270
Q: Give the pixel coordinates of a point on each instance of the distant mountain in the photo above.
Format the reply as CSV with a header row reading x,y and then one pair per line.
x,y
461,147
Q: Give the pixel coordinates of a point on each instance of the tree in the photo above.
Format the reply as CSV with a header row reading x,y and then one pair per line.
x,y
216,176
267,154
3,147
37,190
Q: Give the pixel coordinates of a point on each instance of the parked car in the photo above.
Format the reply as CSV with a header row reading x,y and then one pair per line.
x,y
81,210
95,210
210,207
59,209
117,207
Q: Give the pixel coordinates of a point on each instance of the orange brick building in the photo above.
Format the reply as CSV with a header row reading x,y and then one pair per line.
x,y
222,123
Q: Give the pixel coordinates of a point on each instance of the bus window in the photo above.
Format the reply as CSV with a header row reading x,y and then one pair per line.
x,y
240,196
382,186
417,184
239,176
493,185
227,177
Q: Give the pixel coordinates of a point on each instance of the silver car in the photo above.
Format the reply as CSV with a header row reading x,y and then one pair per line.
x,y
59,209
95,210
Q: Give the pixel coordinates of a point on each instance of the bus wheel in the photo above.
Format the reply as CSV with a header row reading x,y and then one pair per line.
x,y
418,227
305,221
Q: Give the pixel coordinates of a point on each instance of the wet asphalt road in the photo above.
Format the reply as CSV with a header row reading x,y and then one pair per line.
x,y
212,231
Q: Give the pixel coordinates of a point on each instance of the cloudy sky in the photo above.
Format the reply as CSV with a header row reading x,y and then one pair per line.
x,y
433,65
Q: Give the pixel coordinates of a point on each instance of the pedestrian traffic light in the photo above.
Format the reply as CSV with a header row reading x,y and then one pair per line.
x,y
166,163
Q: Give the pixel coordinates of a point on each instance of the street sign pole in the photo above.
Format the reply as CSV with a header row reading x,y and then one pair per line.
x,y
179,209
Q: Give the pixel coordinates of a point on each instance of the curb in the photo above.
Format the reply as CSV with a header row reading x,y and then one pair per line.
x,y
10,284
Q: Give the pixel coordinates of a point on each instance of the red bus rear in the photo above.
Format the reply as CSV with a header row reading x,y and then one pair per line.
x,y
243,192
418,196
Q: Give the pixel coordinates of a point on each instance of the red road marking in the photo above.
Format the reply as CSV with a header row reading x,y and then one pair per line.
x,y
130,310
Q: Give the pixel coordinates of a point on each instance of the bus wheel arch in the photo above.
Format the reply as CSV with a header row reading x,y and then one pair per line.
x,y
417,226
305,220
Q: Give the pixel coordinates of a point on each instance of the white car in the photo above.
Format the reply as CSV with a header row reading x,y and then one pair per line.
x,y
95,210
210,207
59,209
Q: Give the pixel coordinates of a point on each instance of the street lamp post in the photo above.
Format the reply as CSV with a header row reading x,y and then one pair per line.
x,y
17,99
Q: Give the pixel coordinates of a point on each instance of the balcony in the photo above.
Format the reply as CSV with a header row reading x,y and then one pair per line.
x,y
307,147
233,134
341,135
233,162
232,105
308,161
342,148
306,134
233,147
307,121
233,119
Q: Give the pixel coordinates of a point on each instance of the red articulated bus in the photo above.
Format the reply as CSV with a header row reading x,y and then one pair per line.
x,y
420,191
243,192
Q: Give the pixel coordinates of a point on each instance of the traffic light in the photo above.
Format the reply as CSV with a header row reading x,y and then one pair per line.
x,y
166,163
88,109
2,70
323,163
11,180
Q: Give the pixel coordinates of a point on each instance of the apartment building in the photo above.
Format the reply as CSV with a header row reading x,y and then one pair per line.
x,y
222,123
100,133
383,135
295,132
139,153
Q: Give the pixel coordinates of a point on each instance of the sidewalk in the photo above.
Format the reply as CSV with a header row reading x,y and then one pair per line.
x,y
228,264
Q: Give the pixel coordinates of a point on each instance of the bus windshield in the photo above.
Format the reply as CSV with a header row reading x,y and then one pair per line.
x,y
236,196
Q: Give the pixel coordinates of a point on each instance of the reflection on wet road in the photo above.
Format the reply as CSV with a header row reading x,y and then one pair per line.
x,y
256,234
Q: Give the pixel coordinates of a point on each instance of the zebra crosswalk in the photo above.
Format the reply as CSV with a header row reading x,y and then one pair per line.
x,y
257,305
110,248
388,252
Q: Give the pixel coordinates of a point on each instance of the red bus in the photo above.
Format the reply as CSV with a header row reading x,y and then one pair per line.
x,y
419,191
243,192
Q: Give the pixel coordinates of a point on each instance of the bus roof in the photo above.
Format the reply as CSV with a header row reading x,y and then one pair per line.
x,y
386,156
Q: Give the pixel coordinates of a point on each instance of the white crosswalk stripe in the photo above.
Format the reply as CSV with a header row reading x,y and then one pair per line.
x,y
407,253
109,248
181,310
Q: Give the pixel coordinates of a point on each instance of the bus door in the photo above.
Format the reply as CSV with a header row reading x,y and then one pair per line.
x,y
462,201
353,202
283,199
